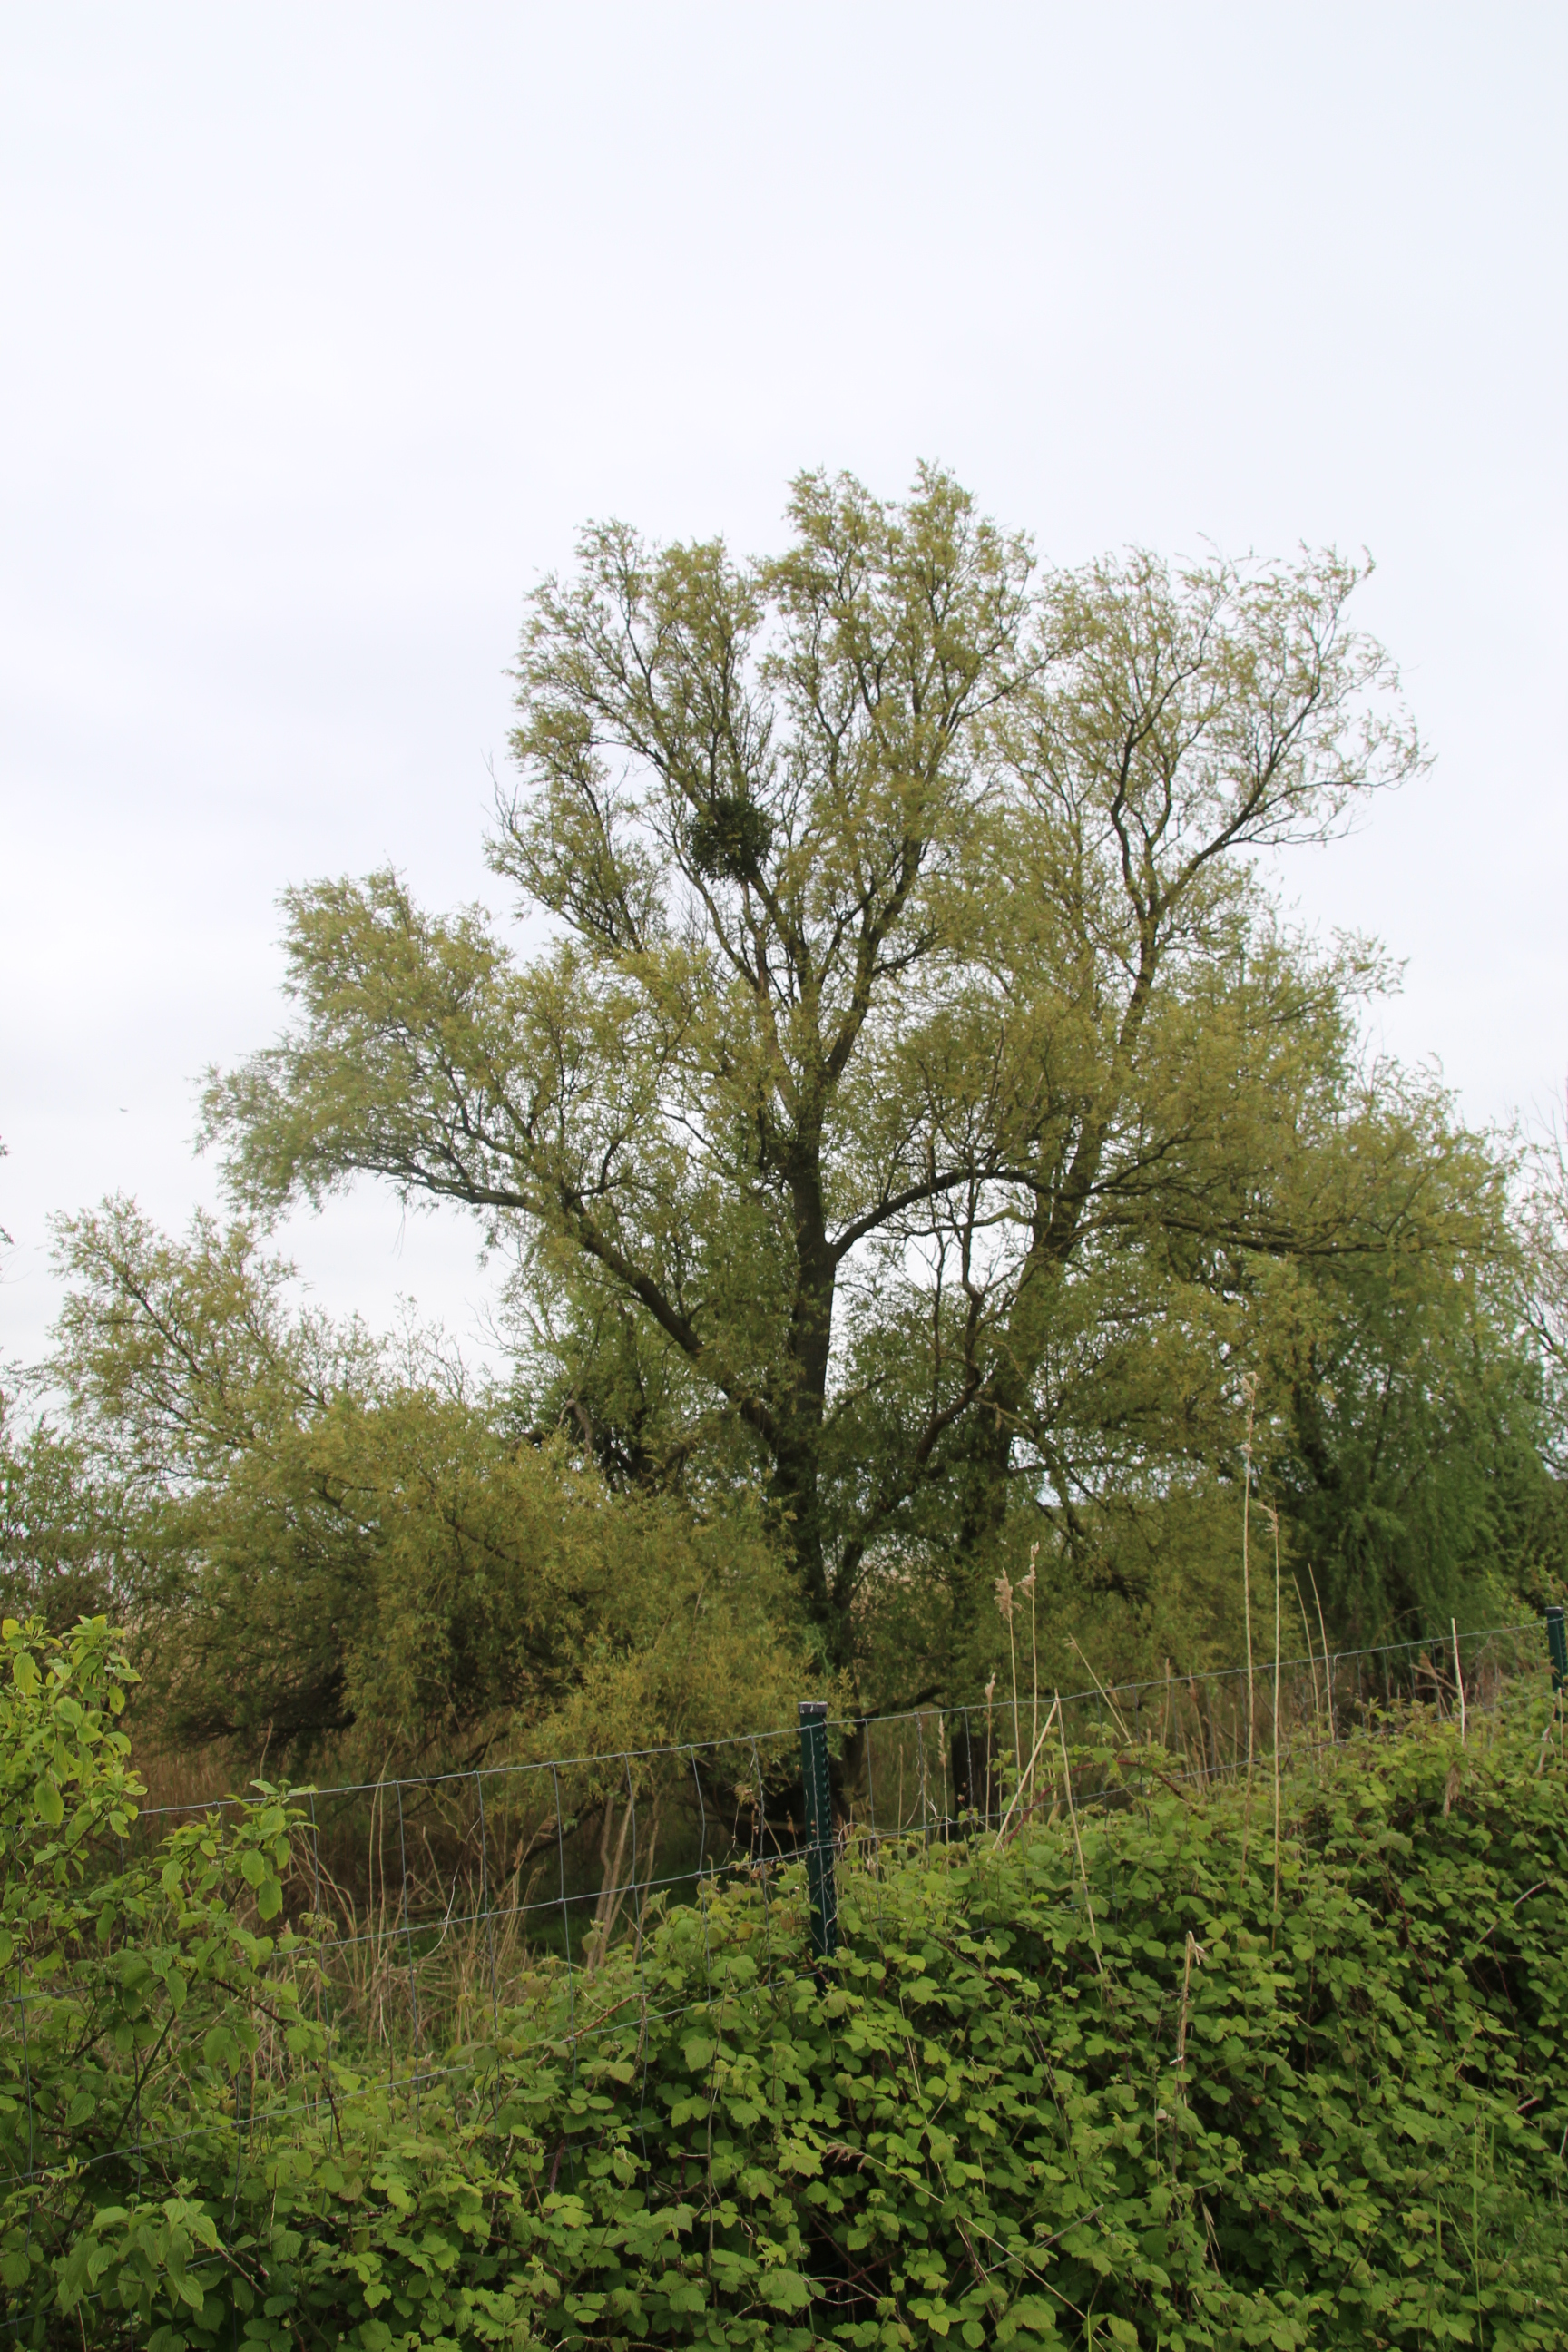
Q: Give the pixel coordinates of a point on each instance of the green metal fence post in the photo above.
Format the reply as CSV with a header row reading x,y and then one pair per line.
x,y
1557,1643
818,1828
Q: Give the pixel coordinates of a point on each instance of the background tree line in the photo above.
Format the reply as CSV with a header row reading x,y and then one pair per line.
x,y
921,1139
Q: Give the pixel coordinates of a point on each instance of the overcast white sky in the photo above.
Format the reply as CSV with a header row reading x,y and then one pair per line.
x,y
324,327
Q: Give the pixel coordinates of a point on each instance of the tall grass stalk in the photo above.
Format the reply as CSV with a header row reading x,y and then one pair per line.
x,y
1078,1841
1328,1660
1028,1586
1116,1716
1034,1759
1274,1524
1194,1956
1250,1390
1474,2189
989,1740
1311,1658
1004,1603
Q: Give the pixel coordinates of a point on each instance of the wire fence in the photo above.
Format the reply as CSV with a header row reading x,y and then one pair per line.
x,y
436,1904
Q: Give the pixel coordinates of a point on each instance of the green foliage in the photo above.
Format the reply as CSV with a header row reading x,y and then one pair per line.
x,y
1410,1429
920,1145
61,1543
328,1536
983,2132
1049,2094
920,1092
145,1985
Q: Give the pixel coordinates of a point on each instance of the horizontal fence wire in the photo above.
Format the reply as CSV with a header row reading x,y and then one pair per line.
x,y
436,1903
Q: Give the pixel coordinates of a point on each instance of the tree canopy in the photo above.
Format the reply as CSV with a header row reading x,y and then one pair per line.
x,y
919,1095
314,1536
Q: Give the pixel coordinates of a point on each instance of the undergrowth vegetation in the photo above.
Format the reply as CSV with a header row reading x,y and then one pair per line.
x,y
1177,2072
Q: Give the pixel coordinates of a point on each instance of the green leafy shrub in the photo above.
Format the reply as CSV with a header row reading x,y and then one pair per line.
x,y
325,1542
149,1997
984,2130
1125,2099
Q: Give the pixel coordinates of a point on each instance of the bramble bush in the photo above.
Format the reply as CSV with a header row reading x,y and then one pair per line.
x,y
1038,2100
143,1986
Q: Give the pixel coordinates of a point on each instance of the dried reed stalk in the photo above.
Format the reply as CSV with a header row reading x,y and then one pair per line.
x,y
1274,1523
1249,1388
1078,1841
1034,1759
1328,1660
1311,1658
1004,1603
1116,1714
1028,1586
1194,1957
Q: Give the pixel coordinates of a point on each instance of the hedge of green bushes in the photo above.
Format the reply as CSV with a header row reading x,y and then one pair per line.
x,y
1117,2096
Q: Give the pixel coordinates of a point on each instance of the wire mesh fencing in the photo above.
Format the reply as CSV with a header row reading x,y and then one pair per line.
x,y
433,1908
440,1895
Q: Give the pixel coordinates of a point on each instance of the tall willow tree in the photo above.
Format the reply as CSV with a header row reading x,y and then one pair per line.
x,y
911,1029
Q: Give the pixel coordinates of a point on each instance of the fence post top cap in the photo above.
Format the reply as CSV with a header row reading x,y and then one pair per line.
x,y
814,1711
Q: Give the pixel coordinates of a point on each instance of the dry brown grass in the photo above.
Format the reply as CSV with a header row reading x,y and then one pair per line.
x,y
179,1778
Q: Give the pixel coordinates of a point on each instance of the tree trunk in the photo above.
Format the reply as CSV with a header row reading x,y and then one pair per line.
x,y
794,1487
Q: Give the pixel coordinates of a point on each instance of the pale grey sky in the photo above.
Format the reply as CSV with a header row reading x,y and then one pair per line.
x,y
324,325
